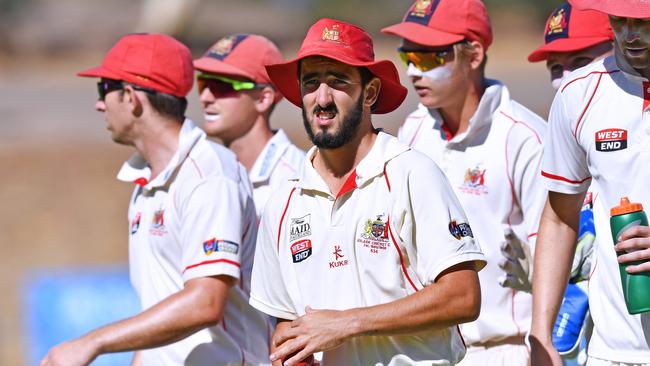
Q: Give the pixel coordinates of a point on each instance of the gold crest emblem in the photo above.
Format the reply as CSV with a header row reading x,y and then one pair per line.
x,y
556,23
420,8
331,34
224,46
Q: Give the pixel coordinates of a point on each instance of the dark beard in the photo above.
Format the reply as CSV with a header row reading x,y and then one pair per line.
x,y
349,127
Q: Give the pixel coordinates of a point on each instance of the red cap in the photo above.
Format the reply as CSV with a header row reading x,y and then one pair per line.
x,y
345,43
639,9
242,55
443,22
154,61
569,30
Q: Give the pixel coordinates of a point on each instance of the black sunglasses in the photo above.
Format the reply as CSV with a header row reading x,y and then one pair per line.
x,y
106,86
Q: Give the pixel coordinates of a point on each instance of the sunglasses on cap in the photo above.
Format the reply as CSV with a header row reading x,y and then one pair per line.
x,y
105,86
220,85
426,60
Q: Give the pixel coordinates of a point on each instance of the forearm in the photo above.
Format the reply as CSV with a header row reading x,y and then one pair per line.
x,y
173,319
455,298
554,253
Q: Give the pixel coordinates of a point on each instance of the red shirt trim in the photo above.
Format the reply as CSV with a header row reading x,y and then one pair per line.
x,y
560,178
282,218
236,264
349,185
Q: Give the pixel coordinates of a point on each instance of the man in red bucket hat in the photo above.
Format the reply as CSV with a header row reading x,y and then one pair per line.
x,y
367,256
191,219
238,98
489,147
610,96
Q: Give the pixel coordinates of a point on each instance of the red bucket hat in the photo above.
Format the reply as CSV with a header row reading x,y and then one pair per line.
x,y
345,43
154,61
443,22
569,29
639,9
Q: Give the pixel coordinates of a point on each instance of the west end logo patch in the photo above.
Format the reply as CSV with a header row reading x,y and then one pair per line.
x,y
300,227
461,230
611,139
215,245
301,250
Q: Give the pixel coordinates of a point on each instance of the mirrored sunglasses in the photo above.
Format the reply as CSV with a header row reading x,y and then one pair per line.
x,y
425,60
220,85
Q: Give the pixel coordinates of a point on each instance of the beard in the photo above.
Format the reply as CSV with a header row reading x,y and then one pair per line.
x,y
349,126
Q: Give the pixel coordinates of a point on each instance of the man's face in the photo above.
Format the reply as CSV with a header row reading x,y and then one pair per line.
x,y
632,40
560,64
228,114
332,101
116,111
437,86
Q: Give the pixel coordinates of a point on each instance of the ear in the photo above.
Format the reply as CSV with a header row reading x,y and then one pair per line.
x,y
265,99
478,55
372,89
130,96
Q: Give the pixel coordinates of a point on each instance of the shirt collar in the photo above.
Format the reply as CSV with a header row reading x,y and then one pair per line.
x,y
137,170
494,93
385,148
269,157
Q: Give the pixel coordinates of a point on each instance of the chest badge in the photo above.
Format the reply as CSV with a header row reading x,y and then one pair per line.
x,y
158,223
339,260
474,181
611,139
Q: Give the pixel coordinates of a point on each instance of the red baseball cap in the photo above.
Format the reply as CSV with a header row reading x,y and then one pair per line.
x,y
347,44
639,9
242,55
569,29
154,61
443,22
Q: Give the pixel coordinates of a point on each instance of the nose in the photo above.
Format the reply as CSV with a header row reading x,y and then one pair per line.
x,y
100,106
631,30
206,96
324,95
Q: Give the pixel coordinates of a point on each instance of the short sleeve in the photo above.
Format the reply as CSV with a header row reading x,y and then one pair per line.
x,y
564,163
211,220
439,229
269,292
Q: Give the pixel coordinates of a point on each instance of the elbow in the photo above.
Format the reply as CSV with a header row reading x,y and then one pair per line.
x,y
470,309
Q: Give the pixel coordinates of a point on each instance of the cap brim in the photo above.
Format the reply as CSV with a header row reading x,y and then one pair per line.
x,y
208,64
627,9
99,72
391,96
421,34
565,45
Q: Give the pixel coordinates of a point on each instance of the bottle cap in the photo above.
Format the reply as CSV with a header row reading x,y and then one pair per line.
x,y
625,207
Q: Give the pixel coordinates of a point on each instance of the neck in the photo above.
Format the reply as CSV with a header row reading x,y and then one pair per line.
x,y
625,66
158,143
458,113
249,146
336,165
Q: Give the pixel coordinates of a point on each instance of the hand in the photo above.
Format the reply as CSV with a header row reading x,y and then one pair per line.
x,y
317,330
77,352
517,263
635,243
543,354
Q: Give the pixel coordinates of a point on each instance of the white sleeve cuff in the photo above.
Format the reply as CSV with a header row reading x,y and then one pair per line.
x,y
270,310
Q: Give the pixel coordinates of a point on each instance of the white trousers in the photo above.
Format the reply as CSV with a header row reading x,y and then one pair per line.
x,y
503,355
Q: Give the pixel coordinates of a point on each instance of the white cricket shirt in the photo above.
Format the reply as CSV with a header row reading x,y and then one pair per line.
x,y
392,229
279,161
599,129
494,169
196,219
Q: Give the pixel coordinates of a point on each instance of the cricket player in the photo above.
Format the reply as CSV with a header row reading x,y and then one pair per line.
x,y
574,38
368,255
490,148
237,98
192,225
597,134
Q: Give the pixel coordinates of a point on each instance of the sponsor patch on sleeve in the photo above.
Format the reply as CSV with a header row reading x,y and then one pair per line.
x,y
215,245
460,230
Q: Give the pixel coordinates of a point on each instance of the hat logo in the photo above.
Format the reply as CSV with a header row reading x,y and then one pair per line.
x,y
557,22
224,46
420,8
331,34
